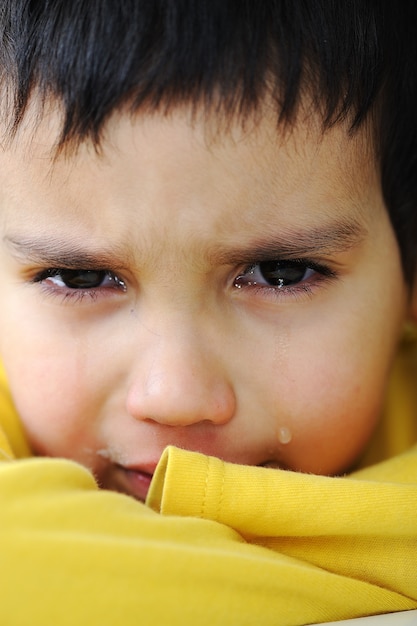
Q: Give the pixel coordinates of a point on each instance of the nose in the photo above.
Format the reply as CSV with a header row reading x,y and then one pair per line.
x,y
179,382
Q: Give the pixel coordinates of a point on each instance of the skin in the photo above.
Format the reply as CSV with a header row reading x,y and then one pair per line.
x,y
181,338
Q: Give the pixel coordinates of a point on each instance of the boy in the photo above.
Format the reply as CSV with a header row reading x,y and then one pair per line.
x,y
204,277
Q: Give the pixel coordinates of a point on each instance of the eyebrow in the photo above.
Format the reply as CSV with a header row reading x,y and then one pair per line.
x,y
64,254
330,238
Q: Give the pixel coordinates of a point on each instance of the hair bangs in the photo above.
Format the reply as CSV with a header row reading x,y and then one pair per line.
x,y
100,56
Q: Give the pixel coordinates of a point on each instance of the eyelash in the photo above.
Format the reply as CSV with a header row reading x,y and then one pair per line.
x,y
78,294
320,273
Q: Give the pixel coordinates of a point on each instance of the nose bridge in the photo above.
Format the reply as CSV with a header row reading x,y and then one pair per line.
x,y
179,377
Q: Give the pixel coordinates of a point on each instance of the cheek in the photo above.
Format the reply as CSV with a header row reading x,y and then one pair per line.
x,y
329,399
51,394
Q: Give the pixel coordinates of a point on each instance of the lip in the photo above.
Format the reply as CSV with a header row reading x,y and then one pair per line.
x,y
134,481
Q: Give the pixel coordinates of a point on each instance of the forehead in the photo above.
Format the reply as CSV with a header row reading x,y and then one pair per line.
x,y
252,172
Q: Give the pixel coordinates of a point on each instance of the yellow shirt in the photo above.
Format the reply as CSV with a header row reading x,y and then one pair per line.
x,y
216,543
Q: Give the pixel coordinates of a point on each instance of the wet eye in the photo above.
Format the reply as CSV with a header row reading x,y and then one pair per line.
x,y
276,274
283,273
79,279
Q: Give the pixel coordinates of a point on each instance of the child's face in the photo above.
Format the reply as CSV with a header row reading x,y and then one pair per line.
x,y
239,295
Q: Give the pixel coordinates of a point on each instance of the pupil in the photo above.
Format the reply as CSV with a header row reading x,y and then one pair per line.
x,y
82,279
282,273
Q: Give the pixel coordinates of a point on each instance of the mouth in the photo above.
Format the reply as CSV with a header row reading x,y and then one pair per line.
x,y
133,482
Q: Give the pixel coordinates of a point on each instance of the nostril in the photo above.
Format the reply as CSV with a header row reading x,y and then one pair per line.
x,y
174,403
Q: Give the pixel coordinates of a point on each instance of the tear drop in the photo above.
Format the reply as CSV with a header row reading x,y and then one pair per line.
x,y
284,435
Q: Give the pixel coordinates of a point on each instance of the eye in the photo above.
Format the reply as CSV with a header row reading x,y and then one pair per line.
x,y
284,277
78,281
278,274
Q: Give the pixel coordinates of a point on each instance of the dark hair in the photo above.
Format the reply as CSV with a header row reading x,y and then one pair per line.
x,y
354,58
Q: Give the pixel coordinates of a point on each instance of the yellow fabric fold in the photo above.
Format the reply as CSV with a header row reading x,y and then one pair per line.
x,y
363,528
13,442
